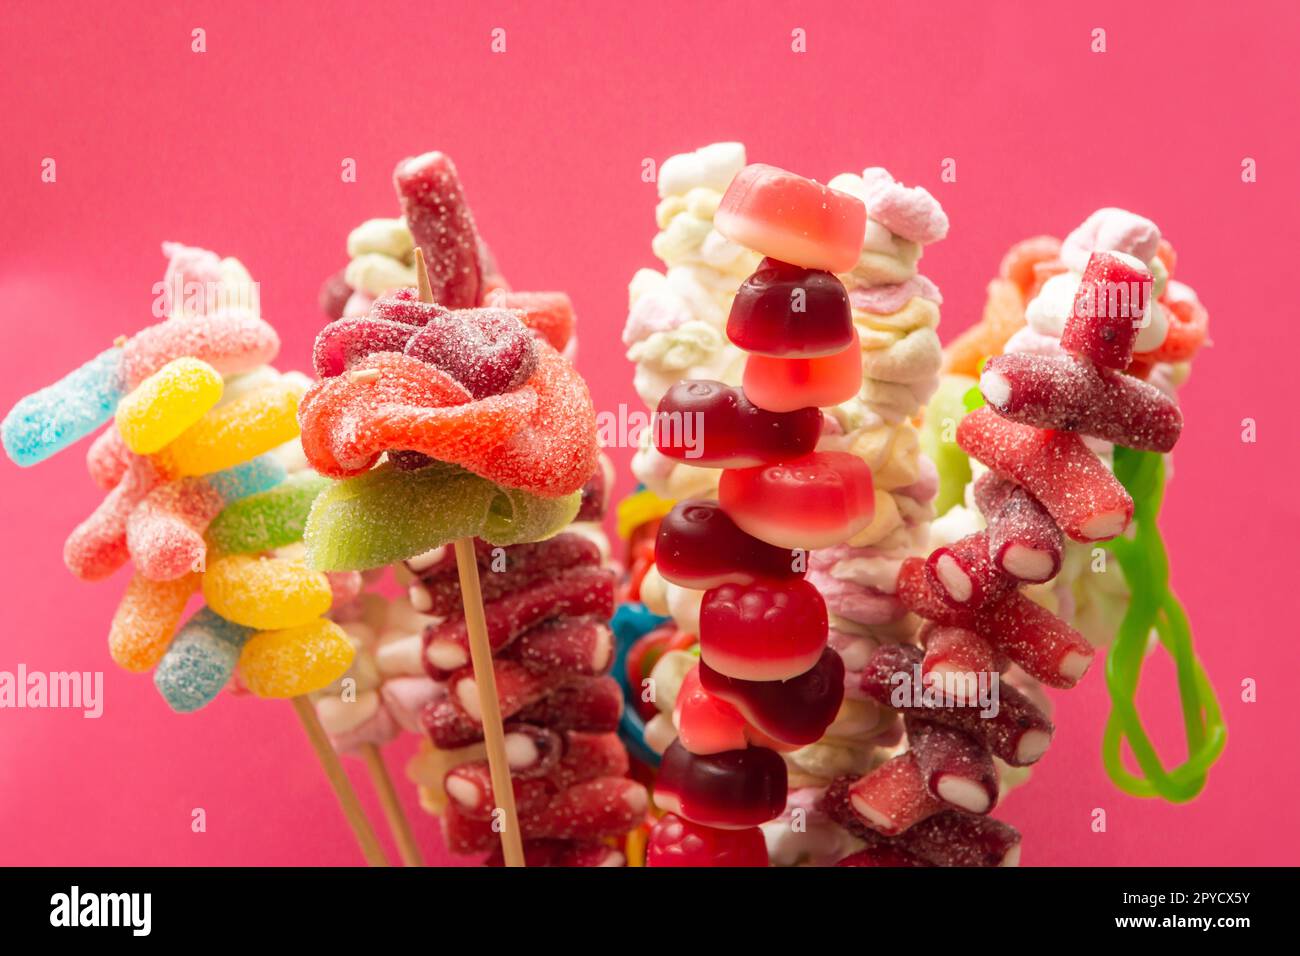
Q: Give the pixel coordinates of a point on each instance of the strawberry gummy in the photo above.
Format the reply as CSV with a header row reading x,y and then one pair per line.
x,y
681,843
816,501
711,425
699,546
441,224
765,631
489,351
790,312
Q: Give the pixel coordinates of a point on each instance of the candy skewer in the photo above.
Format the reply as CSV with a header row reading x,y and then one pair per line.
x,y
398,824
480,651
339,782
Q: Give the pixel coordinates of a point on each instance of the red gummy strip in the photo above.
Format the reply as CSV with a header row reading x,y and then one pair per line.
x,y
578,645
1085,500
894,797
517,687
443,227
1018,734
956,650
1071,394
578,592
1109,309
958,767
1189,327
1023,540
348,421
1043,645
524,566
964,576
343,343
591,704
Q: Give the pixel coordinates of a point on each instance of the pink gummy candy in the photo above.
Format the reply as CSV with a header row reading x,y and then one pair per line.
x,y
956,653
731,790
108,458
795,711
548,314
406,306
1072,394
343,343
958,768
1023,539
1109,310
786,384
791,312
812,502
1110,230
1085,500
440,221
165,531
765,631
699,546
98,546
708,424
231,341
705,723
793,219
333,295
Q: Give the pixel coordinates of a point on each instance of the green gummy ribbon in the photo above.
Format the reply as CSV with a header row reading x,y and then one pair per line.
x,y
1145,566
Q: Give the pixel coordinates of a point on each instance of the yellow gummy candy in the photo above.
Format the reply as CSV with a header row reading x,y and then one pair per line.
x,y
232,434
146,620
295,660
265,593
638,508
166,403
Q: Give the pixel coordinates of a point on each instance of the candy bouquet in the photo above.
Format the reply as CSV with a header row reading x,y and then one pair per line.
x,y
943,632
463,389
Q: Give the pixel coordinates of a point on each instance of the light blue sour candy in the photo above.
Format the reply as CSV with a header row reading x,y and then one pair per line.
x,y
250,478
58,415
200,660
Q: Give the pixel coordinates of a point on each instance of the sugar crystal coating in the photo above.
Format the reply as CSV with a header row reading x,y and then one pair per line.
x,y
47,421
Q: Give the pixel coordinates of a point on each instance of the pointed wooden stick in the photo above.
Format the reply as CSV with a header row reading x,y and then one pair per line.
x,y
338,778
506,816
398,824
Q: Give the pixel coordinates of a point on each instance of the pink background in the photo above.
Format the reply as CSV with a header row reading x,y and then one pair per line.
x,y
239,150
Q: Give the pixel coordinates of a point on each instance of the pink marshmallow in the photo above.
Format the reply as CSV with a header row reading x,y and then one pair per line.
x,y
1110,230
908,212
887,299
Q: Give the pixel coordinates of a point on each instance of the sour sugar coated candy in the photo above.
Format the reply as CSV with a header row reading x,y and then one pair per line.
x,y
200,661
58,415
166,403
295,660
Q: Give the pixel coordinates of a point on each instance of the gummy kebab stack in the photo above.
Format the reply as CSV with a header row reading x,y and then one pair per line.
x,y
200,497
766,680
488,434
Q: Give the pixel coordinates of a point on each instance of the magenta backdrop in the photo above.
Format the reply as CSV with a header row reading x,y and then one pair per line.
x,y
240,148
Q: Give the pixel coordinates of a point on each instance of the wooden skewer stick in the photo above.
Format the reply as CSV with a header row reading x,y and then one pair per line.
x,y
398,824
506,816
338,778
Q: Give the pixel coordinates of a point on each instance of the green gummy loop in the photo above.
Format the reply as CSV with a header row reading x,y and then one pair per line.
x,y
946,408
267,520
388,515
1145,565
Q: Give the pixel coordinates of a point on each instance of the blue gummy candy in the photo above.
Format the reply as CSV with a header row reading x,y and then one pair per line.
x,y
200,661
250,478
58,415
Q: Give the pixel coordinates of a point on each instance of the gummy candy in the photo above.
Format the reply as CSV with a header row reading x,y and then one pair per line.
x,y
384,516
442,226
791,312
108,458
406,306
706,724
965,575
232,434
796,711
295,660
549,314
343,343
708,424
265,593
267,520
793,219
953,654
146,619
1078,491
1023,539
200,661
731,790
894,796
517,687
765,631
699,546
578,645
958,768
166,403
682,843
98,546
1070,394
1110,309
488,351
47,421
786,384
811,502
231,341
